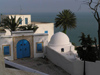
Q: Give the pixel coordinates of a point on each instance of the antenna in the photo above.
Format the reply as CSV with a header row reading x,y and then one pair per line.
x,y
20,9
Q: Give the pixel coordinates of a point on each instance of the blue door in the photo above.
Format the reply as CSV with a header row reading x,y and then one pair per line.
x,y
23,49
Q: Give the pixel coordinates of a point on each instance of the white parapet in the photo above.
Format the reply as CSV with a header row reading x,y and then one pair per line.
x,y
24,68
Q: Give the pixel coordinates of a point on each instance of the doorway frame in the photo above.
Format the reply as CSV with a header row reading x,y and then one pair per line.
x,y
19,46
29,38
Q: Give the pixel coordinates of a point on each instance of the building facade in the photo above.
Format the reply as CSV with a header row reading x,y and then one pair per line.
x,y
25,19
43,27
23,44
47,28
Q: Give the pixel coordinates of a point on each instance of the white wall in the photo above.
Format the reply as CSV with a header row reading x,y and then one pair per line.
x,y
20,33
73,67
92,68
43,39
2,34
7,41
59,60
58,48
7,32
46,27
66,48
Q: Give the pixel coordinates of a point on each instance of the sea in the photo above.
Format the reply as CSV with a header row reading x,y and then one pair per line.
x,y
85,23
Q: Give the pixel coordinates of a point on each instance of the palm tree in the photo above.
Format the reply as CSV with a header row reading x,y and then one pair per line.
x,y
82,39
65,19
29,27
86,40
90,52
11,23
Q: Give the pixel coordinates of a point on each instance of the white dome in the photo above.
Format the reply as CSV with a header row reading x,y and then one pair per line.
x,y
59,39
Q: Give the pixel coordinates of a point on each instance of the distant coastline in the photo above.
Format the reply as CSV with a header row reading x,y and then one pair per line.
x,y
85,23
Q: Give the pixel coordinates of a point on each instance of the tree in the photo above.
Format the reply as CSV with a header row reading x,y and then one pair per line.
x,y
29,27
82,39
90,52
10,23
65,19
86,40
94,5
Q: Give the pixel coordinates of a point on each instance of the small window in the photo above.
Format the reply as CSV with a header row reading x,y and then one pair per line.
x,y
62,49
46,32
20,21
39,46
6,50
26,20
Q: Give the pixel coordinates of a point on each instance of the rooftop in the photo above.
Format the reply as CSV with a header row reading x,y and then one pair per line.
x,y
43,65
39,22
59,39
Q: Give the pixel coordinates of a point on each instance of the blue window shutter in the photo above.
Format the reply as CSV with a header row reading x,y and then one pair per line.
x,y
26,20
20,21
6,50
46,32
39,47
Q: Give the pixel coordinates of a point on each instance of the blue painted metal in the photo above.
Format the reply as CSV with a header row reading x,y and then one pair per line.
x,y
39,47
6,50
20,21
46,32
23,49
26,20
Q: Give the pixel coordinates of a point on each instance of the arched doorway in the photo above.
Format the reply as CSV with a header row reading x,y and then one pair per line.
x,y
23,49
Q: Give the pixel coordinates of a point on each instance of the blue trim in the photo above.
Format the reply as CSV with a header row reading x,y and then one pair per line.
x,y
20,21
46,32
39,47
26,20
6,50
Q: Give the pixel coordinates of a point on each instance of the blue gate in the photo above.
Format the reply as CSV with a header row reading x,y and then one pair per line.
x,y
23,49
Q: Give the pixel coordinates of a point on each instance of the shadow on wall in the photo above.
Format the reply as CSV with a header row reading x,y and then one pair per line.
x,y
74,67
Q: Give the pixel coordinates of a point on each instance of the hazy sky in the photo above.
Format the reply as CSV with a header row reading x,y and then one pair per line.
x,y
29,6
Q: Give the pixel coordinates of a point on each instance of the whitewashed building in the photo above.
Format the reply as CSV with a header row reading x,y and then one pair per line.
x,y
60,43
43,27
23,44
32,42
61,52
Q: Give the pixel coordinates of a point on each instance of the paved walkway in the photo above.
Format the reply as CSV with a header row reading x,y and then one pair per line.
x,y
43,65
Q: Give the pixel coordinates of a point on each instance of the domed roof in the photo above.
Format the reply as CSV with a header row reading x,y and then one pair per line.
x,y
58,39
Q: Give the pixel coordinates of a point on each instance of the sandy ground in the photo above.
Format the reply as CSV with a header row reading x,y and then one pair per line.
x,y
43,65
